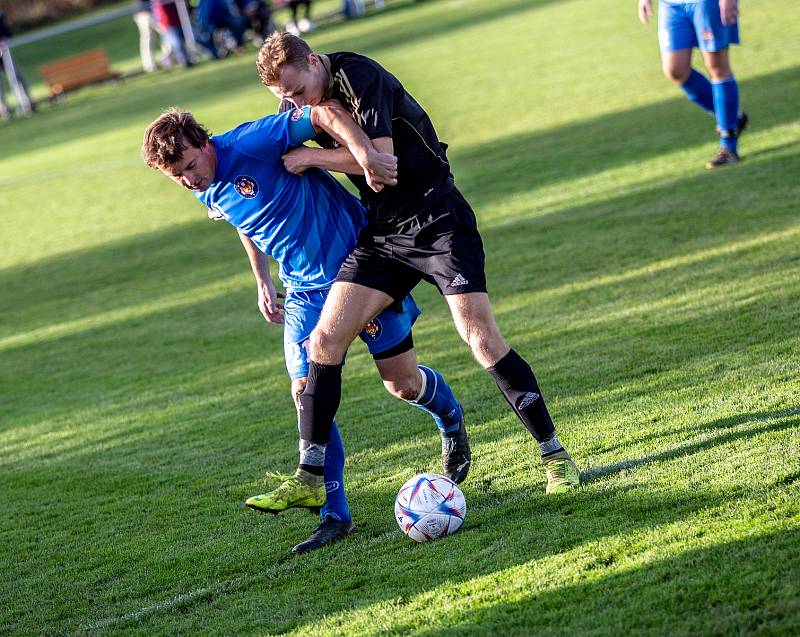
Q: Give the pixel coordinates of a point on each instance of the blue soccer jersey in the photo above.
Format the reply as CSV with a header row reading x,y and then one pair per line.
x,y
307,223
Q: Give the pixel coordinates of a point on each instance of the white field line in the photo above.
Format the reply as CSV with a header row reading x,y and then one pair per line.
x,y
176,602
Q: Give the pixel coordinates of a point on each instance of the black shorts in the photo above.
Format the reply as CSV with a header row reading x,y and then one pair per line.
x,y
440,244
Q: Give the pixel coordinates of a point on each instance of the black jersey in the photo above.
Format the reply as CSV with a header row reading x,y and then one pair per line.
x,y
383,108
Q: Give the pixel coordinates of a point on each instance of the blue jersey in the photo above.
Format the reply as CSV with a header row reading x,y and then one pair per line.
x,y
308,224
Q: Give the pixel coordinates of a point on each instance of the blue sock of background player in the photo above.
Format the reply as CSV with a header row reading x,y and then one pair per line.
x,y
726,107
698,89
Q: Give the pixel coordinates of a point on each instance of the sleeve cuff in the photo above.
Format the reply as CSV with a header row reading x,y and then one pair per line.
x,y
300,127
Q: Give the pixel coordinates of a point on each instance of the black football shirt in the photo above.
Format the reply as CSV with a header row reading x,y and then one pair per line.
x,y
383,108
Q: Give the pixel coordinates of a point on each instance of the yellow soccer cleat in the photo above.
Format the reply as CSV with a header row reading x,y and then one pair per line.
x,y
302,490
562,474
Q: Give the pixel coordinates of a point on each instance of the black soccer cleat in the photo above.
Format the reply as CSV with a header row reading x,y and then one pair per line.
x,y
456,454
722,157
330,530
742,123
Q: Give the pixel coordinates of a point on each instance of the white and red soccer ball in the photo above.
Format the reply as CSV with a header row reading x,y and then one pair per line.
x,y
429,506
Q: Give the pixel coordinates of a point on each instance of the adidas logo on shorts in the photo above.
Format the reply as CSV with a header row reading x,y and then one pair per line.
x,y
458,281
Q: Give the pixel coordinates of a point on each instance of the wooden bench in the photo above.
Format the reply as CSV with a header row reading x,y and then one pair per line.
x,y
76,71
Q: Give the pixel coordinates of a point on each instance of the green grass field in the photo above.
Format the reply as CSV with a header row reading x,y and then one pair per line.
x,y
142,396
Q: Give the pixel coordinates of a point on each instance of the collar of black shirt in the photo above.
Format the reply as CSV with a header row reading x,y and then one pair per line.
x,y
326,62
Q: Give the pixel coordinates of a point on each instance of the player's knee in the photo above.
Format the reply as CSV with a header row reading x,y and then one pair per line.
x,y
676,72
402,389
486,344
719,71
298,385
324,348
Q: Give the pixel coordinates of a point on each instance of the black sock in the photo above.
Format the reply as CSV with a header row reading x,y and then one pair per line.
x,y
319,402
313,469
518,384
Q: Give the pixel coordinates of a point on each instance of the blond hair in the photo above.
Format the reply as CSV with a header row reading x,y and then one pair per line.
x,y
278,50
166,137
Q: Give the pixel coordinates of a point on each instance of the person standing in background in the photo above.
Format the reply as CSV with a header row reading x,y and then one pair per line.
x,y
711,26
169,26
304,24
5,35
144,21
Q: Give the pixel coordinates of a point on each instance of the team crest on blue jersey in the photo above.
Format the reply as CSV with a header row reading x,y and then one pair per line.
x,y
246,186
297,114
374,329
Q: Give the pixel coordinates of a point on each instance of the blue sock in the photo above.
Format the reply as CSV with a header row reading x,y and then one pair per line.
x,y
438,401
698,89
336,502
726,105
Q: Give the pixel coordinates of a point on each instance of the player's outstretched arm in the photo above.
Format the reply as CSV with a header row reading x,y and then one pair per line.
x,y
268,296
379,169
645,10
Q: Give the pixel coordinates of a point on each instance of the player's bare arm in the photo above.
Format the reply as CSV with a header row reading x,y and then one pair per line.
x,y
340,160
268,296
379,170
729,11
645,10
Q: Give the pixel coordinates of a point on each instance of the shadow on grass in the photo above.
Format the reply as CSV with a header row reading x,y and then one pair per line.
x,y
94,277
521,163
745,586
129,354
502,532
708,441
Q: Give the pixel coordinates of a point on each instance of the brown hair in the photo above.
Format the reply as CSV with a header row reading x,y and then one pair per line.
x,y
278,50
165,138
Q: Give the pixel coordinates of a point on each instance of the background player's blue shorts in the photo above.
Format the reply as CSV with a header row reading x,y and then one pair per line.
x,y
685,25
301,312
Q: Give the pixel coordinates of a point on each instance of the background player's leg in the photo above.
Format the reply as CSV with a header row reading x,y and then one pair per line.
x,y
726,97
677,66
475,323
347,309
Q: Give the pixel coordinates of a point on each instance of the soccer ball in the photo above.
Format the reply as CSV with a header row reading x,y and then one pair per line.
x,y
429,506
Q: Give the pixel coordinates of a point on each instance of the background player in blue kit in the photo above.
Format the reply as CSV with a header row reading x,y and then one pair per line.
x,y
308,224
712,26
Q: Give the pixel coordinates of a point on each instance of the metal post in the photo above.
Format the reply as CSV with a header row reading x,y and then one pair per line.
x,y
23,103
186,26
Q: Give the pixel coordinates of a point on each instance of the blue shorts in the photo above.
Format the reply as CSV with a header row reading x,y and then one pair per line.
x,y
301,315
685,25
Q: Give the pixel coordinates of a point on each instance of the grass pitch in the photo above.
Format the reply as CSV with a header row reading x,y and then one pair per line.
x,y
142,397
